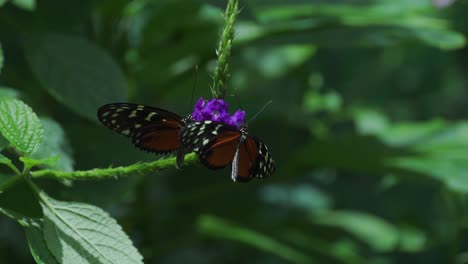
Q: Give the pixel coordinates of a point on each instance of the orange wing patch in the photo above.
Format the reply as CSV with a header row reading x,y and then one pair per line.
x,y
222,150
248,152
159,140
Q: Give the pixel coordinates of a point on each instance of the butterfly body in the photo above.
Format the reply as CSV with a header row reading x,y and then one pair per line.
x,y
219,145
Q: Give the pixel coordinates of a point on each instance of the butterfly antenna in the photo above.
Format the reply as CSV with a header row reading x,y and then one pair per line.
x,y
193,88
261,110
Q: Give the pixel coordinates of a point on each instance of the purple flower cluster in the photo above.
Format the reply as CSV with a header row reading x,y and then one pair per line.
x,y
217,110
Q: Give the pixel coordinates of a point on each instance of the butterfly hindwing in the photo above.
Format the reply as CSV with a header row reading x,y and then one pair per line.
x,y
264,165
244,160
151,129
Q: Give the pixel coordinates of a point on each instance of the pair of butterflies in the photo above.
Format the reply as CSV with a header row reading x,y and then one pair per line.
x,y
217,144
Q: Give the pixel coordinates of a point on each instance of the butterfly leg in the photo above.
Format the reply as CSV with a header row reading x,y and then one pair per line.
x,y
180,157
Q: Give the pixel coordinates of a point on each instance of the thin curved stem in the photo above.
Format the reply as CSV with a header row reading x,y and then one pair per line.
x,y
137,168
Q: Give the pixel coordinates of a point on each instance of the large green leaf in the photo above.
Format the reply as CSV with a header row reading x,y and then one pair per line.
x,y
55,144
271,11
376,232
25,4
34,235
77,73
82,233
20,126
37,244
379,23
438,148
6,92
303,197
219,228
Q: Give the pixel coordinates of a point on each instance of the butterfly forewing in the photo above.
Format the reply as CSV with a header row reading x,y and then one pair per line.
x,y
200,136
151,129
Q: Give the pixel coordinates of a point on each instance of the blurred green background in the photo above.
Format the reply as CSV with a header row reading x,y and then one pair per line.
x,y
368,125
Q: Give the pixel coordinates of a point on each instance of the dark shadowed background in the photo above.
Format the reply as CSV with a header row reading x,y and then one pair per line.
x,y
368,125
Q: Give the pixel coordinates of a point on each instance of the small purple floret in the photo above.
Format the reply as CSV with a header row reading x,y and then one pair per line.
x,y
217,110
237,119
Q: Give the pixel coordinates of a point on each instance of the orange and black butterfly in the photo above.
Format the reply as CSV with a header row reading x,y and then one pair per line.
x,y
151,129
219,145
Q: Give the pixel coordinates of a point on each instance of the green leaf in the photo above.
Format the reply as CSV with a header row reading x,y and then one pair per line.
x,y
20,126
2,2
379,23
29,5
34,235
4,160
301,197
375,231
219,228
77,73
31,162
6,92
412,239
37,244
55,145
436,149
82,233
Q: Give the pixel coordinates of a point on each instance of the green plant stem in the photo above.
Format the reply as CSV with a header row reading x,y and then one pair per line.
x,y
138,168
221,73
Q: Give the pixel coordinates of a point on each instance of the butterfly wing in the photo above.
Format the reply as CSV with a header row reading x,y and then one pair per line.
x,y
244,160
219,145
151,129
264,165
214,142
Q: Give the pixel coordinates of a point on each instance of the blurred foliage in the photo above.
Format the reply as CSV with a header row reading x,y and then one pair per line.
x,y
368,125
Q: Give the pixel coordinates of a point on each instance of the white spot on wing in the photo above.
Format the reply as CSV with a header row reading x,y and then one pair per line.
x,y
133,114
150,115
